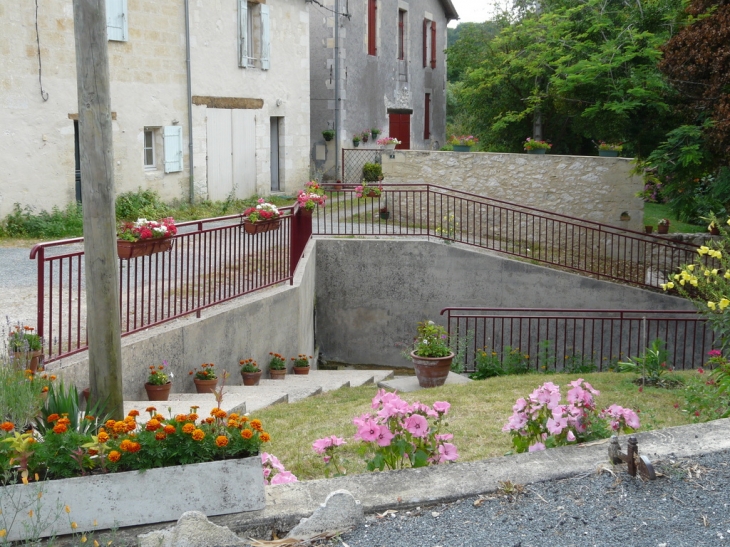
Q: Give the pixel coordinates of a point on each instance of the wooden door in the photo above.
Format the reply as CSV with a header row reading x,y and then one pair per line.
x,y
400,128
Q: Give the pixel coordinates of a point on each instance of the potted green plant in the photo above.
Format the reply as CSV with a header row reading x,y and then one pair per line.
x,y
264,217
431,354
365,135
663,226
145,237
356,141
384,213
277,366
536,147
375,132
205,379
301,364
26,347
463,143
372,172
328,134
609,149
250,372
159,382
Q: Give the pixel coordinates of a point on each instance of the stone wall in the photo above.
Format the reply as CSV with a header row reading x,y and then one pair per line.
x,y
587,187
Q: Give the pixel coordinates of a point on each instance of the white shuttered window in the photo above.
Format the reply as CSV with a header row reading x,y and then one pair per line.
x,y
116,20
173,149
254,35
265,37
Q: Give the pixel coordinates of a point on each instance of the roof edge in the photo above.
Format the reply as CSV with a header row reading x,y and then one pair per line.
x,y
449,10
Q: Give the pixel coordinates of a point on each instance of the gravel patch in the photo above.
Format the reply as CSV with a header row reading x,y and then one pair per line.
x,y
687,506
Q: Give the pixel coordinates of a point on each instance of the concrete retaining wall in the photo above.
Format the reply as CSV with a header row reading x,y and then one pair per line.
x,y
593,188
371,293
278,320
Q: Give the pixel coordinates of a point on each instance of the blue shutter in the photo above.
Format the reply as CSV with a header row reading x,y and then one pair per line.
x,y
116,20
265,37
242,33
173,149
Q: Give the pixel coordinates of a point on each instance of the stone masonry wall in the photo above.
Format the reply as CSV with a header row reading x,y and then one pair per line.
x,y
588,187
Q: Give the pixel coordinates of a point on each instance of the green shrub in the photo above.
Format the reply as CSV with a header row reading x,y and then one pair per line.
x,y
490,363
24,222
372,171
141,204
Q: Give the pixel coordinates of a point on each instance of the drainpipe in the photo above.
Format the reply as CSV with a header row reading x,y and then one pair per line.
x,y
190,99
337,89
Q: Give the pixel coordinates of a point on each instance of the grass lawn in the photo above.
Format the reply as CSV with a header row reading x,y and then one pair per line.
x,y
478,412
655,211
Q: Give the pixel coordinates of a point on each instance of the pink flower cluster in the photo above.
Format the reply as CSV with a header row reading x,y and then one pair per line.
x,y
147,229
274,472
326,445
541,418
309,200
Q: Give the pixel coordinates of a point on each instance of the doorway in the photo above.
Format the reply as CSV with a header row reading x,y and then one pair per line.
x,y
275,153
400,128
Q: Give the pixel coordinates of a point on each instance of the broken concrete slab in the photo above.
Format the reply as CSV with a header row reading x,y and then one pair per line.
x,y
193,529
339,512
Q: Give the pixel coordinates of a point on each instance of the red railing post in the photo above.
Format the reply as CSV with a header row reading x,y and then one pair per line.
x,y
301,231
40,257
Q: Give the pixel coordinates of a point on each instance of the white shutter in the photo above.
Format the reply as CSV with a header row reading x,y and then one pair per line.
x,y
173,149
243,33
116,20
265,37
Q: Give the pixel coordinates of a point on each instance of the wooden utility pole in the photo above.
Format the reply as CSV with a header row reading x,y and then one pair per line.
x,y
97,193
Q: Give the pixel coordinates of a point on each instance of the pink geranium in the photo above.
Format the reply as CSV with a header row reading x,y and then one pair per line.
x,y
416,425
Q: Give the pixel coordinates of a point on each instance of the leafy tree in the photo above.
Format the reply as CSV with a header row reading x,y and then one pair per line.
x,y
587,70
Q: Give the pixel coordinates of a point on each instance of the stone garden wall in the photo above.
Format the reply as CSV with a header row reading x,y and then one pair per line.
x,y
592,188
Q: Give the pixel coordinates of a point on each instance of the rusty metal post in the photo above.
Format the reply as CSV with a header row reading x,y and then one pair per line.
x,y
631,452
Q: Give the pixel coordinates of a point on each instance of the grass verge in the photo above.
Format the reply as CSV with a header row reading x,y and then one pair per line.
x,y
478,412
655,211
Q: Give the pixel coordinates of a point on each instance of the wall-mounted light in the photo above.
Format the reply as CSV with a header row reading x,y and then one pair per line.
x,y
278,102
175,122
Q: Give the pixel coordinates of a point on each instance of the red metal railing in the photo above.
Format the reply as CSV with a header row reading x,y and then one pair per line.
x,y
211,261
591,248
552,338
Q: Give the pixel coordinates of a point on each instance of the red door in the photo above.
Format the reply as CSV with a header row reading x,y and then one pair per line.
x,y
400,128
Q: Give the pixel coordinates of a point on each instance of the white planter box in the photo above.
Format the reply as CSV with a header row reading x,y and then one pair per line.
x,y
132,498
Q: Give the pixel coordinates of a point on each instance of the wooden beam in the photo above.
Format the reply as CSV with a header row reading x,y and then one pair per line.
x,y
234,103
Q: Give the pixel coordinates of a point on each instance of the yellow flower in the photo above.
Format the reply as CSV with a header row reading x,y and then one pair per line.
x,y
728,222
96,543
703,250
3,533
727,275
74,526
83,538
691,267
711,305
724,303
67,509
693,282
713,271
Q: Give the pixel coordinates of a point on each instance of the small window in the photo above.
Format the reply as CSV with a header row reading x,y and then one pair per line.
x,y
427,117
372,22
401,34
433,44
150,158
253,35
426,35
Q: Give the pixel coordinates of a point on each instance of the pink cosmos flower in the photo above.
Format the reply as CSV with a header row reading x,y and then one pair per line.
x,y
416,425
442,407
448,452
556,427
370,430
385,436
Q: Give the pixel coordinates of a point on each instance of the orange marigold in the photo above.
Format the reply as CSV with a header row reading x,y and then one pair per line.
x,y
188,428
45,389
133,413
232,423
159,417
234,415
169,429
152,425
7,426
256,424
209,420
221,414
265,437
150,408
198,435
160,436
181,418
52,418
93,452
221,441
109,423
102,437
114,456
129,419
134,447
246,433
120,427
192,417
244,419
59,428
131,427
126,444
64,421
89,417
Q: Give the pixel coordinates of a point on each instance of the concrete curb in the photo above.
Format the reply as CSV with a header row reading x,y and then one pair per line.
x,y
287,504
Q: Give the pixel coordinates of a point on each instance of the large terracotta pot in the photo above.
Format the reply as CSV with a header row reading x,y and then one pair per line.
x,y
251,378
158,393
205,386
431,371
277,374
301,370
663,229
144,247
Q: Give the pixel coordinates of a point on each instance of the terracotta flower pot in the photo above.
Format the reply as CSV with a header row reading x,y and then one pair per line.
x,y
158,393
205,386
432,371
715,231
648,229
277,374
251,378
29,360
261,226
301,370
127,250
663,229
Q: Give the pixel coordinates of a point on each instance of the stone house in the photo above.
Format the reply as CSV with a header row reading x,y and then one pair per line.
x,y
392,73
248,99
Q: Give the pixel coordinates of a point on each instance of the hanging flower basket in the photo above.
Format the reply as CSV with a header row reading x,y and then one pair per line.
x,y
261,226
126,250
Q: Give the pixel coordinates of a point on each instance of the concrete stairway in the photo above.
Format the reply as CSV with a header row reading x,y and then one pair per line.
x,y
245,399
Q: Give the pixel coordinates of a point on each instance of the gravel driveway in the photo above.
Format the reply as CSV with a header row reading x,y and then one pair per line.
x,y
687,506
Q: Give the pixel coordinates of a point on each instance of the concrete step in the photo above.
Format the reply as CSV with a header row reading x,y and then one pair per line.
x,y
180,403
